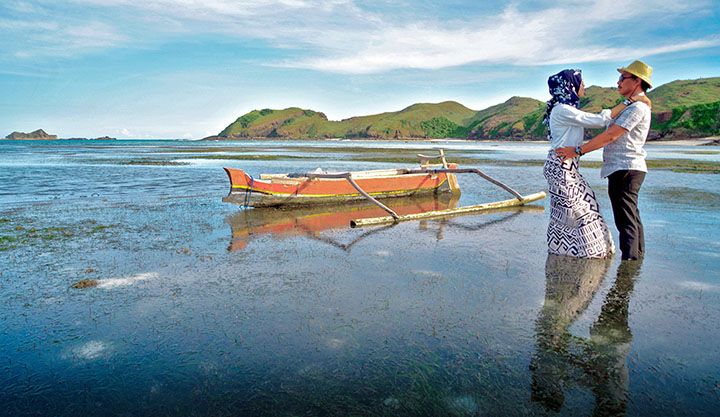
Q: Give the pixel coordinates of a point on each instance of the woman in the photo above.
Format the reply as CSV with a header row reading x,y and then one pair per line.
x,y
576,227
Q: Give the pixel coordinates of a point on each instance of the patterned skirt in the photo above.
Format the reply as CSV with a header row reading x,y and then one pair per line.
x,y
576,227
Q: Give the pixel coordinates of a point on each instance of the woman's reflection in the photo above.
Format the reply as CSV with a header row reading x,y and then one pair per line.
x,y
600,362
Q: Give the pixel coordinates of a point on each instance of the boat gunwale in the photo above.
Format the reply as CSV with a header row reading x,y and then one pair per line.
x,y
245,188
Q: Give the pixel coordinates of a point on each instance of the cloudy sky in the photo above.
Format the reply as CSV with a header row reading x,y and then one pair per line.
x,y
187,68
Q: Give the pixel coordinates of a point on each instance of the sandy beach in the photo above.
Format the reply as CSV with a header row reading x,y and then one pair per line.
x,y
685,142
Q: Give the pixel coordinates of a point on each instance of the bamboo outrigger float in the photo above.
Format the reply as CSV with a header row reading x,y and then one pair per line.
x,y
273,190
374,221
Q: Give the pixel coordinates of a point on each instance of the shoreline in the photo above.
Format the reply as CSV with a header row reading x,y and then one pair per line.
x,y
685,142
676,142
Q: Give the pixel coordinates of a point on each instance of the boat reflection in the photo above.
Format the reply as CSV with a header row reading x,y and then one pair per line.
x,y
311,221
598,362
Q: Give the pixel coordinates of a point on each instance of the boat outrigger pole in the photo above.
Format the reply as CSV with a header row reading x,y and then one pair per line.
x,y
463,171
348,176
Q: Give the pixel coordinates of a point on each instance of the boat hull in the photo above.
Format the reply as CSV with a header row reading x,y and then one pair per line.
x,y
284,190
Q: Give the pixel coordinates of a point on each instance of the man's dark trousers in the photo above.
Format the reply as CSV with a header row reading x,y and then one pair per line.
x,y
623,189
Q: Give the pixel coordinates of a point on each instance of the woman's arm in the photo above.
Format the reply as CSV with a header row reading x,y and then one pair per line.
x,y
608,136
615,111
642,98
570,116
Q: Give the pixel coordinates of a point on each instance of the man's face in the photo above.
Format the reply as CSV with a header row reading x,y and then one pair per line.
x,y
627,83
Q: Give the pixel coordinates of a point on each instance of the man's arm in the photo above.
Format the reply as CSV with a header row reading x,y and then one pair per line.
x,y
608,136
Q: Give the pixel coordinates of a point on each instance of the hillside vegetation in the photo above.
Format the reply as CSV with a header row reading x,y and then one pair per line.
x,y
681,109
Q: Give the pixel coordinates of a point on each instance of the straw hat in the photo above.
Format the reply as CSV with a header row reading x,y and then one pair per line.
x,y
640,70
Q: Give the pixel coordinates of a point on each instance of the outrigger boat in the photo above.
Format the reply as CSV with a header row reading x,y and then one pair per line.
x,y
288,190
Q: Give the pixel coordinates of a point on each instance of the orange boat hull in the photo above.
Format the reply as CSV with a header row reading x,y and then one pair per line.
x,y
280,190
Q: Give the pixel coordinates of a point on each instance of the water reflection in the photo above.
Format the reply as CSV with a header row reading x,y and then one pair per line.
x,y
599,362
311,221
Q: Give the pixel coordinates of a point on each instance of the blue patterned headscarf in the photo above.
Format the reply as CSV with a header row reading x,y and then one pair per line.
x,y
563,87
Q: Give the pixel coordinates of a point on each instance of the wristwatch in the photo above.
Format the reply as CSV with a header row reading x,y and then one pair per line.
x,y
578,150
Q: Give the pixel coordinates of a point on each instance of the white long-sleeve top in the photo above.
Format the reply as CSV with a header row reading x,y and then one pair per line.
x,y
567,124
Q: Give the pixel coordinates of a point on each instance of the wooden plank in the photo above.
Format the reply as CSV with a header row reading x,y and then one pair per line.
x,y
375,173
374,221
271,176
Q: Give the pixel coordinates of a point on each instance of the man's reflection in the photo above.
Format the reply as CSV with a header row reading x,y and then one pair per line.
x,y
610,339
600,362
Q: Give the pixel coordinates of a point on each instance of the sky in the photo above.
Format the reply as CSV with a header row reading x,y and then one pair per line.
x,y
185,69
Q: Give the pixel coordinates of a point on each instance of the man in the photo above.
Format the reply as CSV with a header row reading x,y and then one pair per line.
x,y
624,157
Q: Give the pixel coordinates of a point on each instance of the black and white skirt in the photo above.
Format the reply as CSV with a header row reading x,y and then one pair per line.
x,y
576,227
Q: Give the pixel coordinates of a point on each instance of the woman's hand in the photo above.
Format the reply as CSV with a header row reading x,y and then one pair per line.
x,y
566,152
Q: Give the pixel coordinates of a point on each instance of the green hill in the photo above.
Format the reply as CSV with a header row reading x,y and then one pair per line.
x,y
686,108
292,122
424,120
685,93
683,108
598,98
699,120
517,118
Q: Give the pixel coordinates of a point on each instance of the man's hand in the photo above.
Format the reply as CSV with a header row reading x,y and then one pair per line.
x,y
566,152
610,135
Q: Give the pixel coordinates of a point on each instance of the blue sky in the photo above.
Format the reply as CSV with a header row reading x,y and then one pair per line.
x,y
188,68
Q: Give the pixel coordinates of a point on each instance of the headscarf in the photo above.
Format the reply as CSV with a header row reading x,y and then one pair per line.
x,y
563,87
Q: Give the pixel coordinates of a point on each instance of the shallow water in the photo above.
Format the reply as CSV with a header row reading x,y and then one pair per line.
x,y
202,308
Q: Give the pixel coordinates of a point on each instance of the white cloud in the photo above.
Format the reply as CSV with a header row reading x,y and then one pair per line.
x,y
615,54
27,25
47,38
531,38
341,36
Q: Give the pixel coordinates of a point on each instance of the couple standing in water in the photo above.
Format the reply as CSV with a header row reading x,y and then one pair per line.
x,y
578,230
576,226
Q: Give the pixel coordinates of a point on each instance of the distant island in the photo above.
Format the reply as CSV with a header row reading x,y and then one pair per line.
x,y
40,134
682,109
100,138
36,135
